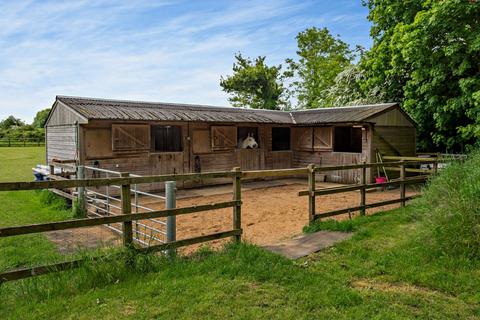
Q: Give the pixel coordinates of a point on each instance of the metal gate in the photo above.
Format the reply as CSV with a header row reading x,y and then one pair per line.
x,y
106,201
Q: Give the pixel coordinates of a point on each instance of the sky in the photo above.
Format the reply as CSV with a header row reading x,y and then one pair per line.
x,y
162,50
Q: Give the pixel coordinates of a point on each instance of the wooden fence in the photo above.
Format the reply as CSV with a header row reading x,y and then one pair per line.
x,y
126,218
236,175
22,142
402,181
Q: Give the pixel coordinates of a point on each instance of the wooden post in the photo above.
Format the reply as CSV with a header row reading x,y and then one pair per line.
x,y
237,196
81,193
171,203
402,184
435,165
127,209
363,182
311,192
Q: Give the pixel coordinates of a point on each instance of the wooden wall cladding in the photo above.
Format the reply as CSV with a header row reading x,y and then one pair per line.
x,y
303,138
312,138
130,137
98,143
61,143
224,137
322,138
201,141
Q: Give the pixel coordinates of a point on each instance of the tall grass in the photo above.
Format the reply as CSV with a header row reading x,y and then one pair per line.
x,y
451,209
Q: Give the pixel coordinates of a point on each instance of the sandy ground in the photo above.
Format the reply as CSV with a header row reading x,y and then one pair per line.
x,y
269,215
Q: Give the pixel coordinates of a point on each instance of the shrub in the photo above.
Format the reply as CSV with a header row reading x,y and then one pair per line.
x,y
451,209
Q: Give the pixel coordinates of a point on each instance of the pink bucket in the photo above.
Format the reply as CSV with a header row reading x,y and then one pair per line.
x,y
380,180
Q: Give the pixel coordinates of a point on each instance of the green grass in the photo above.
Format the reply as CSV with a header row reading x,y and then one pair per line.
x,y
385,271
25,207
381,273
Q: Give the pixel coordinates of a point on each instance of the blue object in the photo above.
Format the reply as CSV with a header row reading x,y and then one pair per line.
x,y
39,176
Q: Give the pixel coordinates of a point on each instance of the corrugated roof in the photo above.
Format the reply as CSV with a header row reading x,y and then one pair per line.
x,y
103,109
341,114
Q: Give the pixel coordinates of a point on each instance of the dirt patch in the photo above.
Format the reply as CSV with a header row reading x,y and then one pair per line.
x,y
73,240
365,284
270,215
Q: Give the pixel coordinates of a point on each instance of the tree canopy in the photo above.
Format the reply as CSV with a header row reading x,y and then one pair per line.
x,y
11,122
255,85
321,57
41,118
425,55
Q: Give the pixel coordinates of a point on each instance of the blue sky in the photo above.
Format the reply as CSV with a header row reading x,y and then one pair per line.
x,y
163,50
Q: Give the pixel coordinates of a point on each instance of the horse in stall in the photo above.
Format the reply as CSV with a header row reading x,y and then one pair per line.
x,y
249,142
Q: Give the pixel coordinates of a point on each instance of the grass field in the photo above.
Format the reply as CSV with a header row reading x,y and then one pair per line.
x,y
383,272
23,208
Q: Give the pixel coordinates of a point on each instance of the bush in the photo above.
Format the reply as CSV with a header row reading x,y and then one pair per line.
x,y
451,209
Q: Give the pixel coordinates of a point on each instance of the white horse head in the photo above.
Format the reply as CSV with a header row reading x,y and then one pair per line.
x,y
249,142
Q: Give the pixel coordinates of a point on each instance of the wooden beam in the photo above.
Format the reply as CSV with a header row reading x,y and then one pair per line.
x,y
35,185
367,206
190,241
62,194
320,192
37,271
274,173
88,222
62,266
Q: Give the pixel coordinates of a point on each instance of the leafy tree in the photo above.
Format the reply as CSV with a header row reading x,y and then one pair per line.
x,y
256,85
11,122
347,90
425,54
321,57
41,118
378,61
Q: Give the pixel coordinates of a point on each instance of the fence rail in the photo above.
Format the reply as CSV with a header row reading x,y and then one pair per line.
x,y
312,192
25,142
127,217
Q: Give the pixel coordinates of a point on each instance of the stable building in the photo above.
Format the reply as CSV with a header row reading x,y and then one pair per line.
x,y
149,138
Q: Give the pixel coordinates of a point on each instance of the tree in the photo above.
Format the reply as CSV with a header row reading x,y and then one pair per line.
x,y
11,122
256,85
41,118
347,90
378,62
321,57
425,54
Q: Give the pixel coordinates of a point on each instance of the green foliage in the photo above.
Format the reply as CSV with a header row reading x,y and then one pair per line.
x,y
451,209
11,122
255,85
425,55
41,118
384,274
50,199
331,225
321,57
347,89
26,207
15,129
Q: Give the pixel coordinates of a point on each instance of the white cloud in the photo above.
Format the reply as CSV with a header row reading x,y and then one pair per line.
x,y
153,50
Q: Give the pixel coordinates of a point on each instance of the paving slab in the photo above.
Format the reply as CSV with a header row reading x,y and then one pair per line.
x,y
307,244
